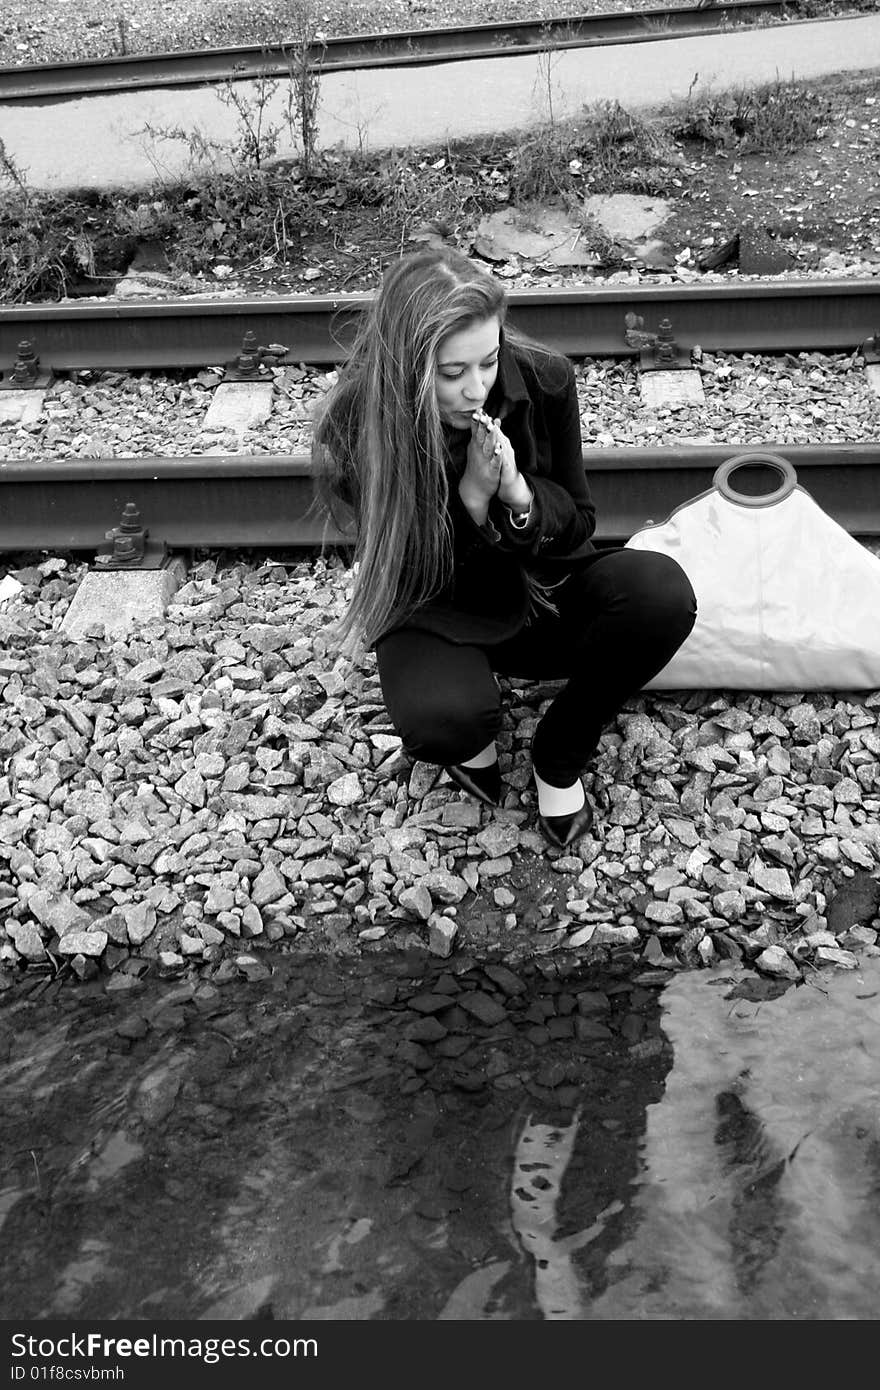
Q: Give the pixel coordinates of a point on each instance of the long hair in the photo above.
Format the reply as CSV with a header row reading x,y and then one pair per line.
x,y
378,442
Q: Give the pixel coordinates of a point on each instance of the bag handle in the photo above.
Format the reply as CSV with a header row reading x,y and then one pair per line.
x,y
721,479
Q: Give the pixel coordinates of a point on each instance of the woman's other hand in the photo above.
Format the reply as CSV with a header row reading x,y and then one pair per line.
x,y
490,469
482,473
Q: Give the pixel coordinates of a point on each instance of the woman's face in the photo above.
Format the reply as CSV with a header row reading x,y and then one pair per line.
x,y
465,370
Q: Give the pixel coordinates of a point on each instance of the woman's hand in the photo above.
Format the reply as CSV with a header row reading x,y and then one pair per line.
x,y
482,473
491,466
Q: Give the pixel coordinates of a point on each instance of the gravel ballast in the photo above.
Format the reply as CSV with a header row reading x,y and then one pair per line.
x,y
808,398
180,799
216,784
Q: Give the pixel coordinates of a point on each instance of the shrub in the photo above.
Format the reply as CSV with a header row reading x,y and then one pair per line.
x,y
607,147
776,118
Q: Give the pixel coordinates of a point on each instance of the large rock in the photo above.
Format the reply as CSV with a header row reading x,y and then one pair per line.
x,y
776,961
83,943
57,912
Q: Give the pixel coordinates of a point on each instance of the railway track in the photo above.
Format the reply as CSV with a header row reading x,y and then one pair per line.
x,y
268,500
607,321
264,501
33,82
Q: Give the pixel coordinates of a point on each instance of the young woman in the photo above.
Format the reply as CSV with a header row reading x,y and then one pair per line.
x,y
455,442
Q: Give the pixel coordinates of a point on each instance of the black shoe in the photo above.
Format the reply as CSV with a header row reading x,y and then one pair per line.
x,y
482,782
562,830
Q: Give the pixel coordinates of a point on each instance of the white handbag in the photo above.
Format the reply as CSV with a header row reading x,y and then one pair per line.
x,y
786,598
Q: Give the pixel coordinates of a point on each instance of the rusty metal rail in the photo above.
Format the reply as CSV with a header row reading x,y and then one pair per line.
x,y
38,81
777,316
268,502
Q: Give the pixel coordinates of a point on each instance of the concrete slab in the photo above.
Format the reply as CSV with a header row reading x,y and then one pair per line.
x,y
9,589
626,217
759,254
546,235
872,372
239,405
146,284
682,387
21,407
122,599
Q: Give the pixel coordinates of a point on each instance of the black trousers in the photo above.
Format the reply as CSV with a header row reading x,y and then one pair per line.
x,y
621,619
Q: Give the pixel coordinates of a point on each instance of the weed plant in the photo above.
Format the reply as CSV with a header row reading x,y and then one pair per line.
x,y
606,147
776,118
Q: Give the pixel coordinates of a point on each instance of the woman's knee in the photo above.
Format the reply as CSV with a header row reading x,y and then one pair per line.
x,y
671,594
442,699
656,587
448,726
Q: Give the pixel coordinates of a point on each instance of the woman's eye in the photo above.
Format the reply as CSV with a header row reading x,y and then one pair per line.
x,y
484,367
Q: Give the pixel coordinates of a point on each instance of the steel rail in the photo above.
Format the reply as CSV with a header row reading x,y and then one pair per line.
x,y
269,502
777,316
30,82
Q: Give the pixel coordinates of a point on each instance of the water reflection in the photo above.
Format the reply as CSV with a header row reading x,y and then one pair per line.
x,y
403,1138
760,1166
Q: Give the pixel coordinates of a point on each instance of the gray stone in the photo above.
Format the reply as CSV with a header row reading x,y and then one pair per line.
x,y
219,899
583,936
57,912
446,887
771,880
776,961
417,900
140,921
730,904
83,943
665,913
251,920
268,886
345,790
441,934
27,940
191,789
499,838
832,955
608,935
495,868
322,870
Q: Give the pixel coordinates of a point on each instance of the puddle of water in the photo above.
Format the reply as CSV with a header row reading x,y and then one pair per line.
x,y
761,1163
118,1151
403,1138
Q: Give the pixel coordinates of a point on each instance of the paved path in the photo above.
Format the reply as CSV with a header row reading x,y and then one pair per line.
x,y
99,141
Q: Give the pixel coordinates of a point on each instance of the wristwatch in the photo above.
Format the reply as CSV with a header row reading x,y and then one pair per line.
x,y
520,519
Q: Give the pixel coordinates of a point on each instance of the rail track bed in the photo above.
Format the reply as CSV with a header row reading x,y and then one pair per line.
x,y
119,409
104,439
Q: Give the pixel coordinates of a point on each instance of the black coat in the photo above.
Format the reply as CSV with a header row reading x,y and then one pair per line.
x,y
489,598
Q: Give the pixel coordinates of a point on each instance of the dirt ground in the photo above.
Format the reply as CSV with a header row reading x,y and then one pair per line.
x,y
815,209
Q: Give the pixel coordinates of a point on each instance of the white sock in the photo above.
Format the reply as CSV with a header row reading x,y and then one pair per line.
x,y
486,758
559,801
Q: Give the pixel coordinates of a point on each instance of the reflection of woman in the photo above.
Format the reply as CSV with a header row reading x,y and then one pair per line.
x,y
456,443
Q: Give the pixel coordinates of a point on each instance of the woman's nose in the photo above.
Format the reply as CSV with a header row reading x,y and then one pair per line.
x,y
473,389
